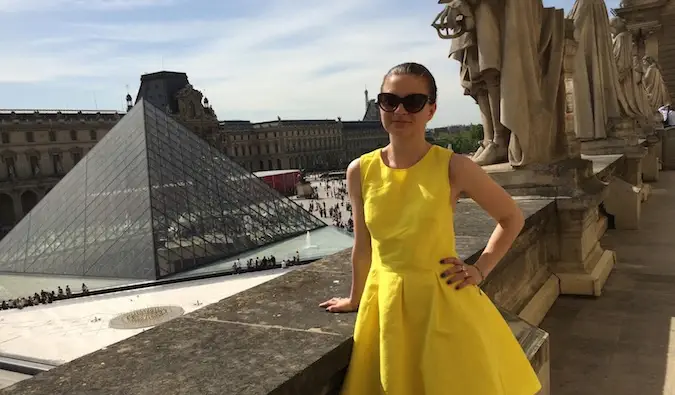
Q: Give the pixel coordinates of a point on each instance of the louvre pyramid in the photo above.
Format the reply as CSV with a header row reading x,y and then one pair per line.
x,y
149,200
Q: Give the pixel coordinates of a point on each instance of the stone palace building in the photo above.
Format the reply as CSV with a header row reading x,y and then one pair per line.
x,y
38,148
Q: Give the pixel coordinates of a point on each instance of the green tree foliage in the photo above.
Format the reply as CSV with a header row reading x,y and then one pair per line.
x,y
462,142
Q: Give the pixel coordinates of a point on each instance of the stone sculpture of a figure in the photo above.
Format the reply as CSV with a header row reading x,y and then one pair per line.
x,y
596,101
657,92
631,93
510,54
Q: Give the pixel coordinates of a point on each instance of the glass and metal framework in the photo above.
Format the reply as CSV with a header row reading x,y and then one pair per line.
x,y
149,200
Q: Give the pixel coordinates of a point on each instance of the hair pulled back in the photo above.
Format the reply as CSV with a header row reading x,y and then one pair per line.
x,y
416,69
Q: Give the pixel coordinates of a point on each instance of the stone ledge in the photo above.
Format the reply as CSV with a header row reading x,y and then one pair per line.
x,y
271,339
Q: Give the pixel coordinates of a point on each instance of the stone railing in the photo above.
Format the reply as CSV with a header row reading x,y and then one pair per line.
x,y
274,339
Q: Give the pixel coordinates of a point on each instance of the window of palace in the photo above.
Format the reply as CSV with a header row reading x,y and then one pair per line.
x,y
73,135
5,138
30,137
34,165
52,135
92,135
77,156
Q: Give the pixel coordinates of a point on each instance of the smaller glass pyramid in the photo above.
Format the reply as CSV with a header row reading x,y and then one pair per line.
x,y
149,200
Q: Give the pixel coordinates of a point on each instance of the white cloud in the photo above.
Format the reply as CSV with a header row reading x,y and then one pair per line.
x,y
238,66
14,6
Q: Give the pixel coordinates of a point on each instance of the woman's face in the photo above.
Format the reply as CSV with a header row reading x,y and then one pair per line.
x,y
400,121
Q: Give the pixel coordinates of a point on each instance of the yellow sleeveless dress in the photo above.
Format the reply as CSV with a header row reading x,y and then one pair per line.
x,y
415,334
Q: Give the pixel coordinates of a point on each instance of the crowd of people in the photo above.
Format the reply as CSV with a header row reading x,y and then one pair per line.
x,y
43,297
334,189
265,263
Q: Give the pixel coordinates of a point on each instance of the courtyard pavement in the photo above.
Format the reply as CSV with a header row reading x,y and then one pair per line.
x,y
623,342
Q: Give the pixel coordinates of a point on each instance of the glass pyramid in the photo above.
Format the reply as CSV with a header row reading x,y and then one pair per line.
x,y
149,200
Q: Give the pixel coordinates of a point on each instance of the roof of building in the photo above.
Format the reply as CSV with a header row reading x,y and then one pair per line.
x,y
294,122
354,126
372,111
267,173
163,74
160,89
49,115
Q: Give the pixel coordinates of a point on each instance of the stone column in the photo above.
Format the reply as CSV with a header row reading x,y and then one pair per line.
x,y
18,210
582,266
45,163
651,41
23,169
572,141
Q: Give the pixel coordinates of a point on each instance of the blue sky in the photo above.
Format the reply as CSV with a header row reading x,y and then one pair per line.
x,y
253,59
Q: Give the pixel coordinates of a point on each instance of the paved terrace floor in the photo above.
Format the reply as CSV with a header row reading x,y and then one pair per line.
x,y
624,341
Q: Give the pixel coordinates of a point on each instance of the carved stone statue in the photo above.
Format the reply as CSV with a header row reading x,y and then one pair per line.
x,y
654,84
641,93
510,54
631,95
596,101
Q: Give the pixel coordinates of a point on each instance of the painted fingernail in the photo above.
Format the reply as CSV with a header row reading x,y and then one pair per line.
x,y
443,275
441,261
449,282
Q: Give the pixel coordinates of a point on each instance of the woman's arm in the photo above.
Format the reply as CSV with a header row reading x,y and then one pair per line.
x,y
361,251
468,177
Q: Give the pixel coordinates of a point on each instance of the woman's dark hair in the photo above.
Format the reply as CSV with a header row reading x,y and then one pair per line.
x,y
418,70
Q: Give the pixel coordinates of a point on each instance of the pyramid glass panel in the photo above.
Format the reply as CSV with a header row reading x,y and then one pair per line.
x,y
206,207
149,200
96,220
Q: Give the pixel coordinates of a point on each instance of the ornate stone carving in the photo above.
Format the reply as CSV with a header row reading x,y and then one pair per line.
x,y
632,95
595,73
190,105
569,60
516,46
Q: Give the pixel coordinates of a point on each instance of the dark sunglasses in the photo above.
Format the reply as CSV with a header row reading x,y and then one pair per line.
x,y
414,103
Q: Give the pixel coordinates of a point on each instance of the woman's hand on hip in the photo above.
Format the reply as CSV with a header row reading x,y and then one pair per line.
x,y
339,305
460,273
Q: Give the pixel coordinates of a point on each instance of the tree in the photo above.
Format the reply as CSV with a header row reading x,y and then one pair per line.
x,y
464,141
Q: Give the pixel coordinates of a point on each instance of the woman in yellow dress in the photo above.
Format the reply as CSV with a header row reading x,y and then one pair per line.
x,y
423,325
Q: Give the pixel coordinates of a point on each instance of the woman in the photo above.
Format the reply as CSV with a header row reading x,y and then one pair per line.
x,y
424,327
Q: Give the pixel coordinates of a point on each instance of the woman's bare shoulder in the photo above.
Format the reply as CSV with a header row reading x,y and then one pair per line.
x,y
461,167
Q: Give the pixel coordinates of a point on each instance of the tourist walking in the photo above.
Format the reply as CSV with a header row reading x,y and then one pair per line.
x,y
424,327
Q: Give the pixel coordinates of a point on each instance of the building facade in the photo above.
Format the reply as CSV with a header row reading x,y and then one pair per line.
x,y
312,145
362,136
37,148
650,21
